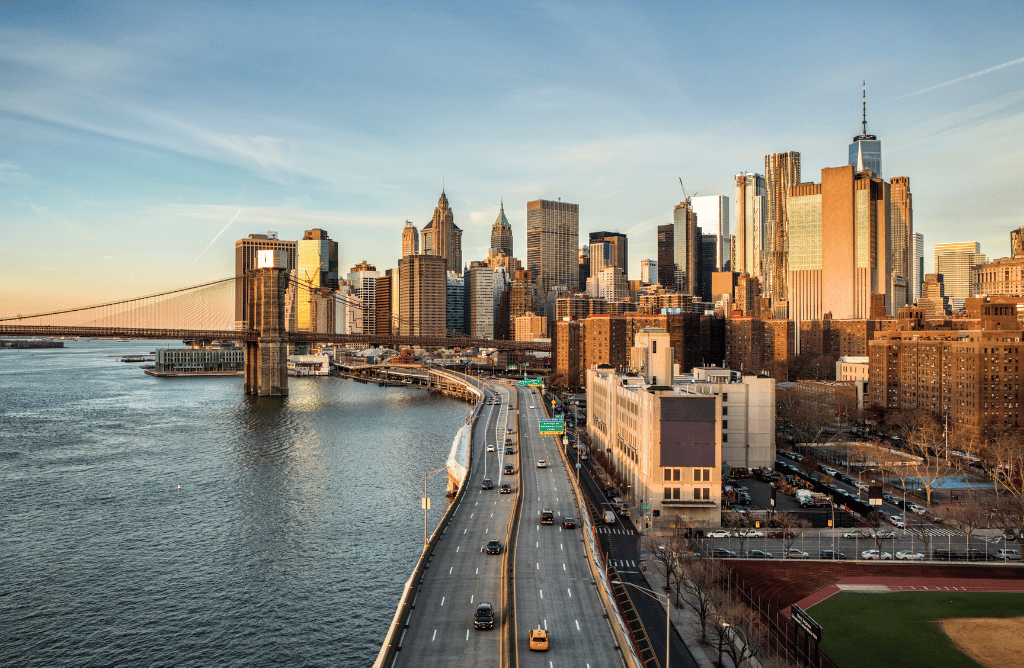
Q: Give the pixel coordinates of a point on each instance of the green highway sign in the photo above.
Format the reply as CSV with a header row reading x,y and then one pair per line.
x,y
531,381
551,426
512,366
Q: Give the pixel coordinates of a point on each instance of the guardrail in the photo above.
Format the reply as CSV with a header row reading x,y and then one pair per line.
x,y
508,646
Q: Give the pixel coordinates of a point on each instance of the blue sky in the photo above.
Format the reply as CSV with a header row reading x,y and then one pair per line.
x,y
140,141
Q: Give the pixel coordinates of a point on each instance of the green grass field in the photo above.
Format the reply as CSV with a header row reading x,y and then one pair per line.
x,y
900,630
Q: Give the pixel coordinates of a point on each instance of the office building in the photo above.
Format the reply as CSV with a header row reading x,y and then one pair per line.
x,y
781,172
364,277
442,237
455,305
609,284
552,240
839,246
316,269
608,249
1017,242
748,240
955,261
501,234
245,261
866,151
479,281
648,272
530,327
583,272
713,218
1004,276
686,251
410,240
917,268
901,221
666,257
383,326
422,295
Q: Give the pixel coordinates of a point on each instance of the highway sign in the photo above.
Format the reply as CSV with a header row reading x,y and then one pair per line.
x,y
547,426
531,381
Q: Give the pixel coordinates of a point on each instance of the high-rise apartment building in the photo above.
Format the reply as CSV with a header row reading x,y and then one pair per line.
x,y
521,299
364,278
455,305
713,218
901,216
316,268
608,284
666,256
552,239
917,267
423,295
933,302
612,251
245,261
748,240
648,272
583,272
839,245
383,306
479,280
781,172
501,234
442,237
1017,242
955,261
410,240
866,150
687,250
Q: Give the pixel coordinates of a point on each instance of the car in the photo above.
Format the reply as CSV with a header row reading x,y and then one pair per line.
x,y
490,447
857,533
897,521
795,554
875,554
532,407
781,533
885,534
1009,534
758,554
542,463
510,407
510,430
831,554
494,546
743,498
748,533
975,555
916,509
909,555
484,617
722,553
569,523
946,555
509,469
505,488
538,639
1008,555
487,484
510,450
719,533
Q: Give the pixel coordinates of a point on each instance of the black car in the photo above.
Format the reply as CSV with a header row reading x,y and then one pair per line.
x,y
569,523
722,553
509,450
505,488
494,546
975,555
484,618
945,555
509,470
487,484
831,554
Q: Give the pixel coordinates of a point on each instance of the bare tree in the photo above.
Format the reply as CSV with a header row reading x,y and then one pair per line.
x,y
741,524
808,421
700,580
966,518
788,526
924,442
1004,459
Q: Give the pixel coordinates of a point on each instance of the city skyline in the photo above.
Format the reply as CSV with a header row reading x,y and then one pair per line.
x,y
149,150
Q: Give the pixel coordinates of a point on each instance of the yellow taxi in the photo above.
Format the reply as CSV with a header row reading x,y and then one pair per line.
x,y
539,639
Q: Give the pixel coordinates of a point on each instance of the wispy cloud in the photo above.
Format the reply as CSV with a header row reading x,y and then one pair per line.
x,y
108,257
10,172
953,82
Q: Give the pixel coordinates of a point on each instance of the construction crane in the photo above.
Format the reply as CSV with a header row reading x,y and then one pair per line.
x,y
685,196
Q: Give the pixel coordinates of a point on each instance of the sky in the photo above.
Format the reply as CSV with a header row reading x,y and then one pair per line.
x,y
141,140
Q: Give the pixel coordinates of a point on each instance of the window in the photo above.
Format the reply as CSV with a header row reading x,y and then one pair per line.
x,y
725,410
677,473
668,474
701,493
725,424
696,475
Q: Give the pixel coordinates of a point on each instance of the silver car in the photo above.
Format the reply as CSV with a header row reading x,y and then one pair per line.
x,y
909,555
875,554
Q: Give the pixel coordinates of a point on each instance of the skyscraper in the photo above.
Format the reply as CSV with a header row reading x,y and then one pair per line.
x,y
613,253
455,306
648,272
917,268
583,272
552,239
442,237
954,261
781,172
364,278
748,241
316,269
410,240
501,234
713,217
245,261
422,295
866,150
839,246
901,215
666,257
687,248
479,282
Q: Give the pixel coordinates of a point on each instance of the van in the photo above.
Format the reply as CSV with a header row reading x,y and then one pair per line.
x,y
609,517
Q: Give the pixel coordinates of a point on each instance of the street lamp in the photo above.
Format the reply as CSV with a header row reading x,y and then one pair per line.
x,y
668,613
721,636
425,501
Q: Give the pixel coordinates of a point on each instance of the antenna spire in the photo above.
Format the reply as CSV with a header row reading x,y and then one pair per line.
x,y
864,104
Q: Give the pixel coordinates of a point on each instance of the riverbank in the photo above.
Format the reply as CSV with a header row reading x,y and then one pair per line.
x,y
29,344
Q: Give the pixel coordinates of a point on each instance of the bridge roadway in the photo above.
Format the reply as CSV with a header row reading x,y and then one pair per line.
x,y
554,588
552,582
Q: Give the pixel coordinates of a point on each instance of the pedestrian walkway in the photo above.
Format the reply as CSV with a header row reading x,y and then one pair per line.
x,y
684,621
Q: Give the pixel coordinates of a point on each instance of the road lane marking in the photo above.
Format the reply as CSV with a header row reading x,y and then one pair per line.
x,y
456,548
545,625
464,531
569,589
561,547
538,566
467,635
579,629
453,568
433,637
442,600
537,544
563,567
541,593
477,571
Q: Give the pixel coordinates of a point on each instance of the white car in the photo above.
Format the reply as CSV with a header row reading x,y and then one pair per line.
x,y
719,533
897,521
909,555
1008,555
749,533
531,408
795,554
490,447
875,554
542,463
916,509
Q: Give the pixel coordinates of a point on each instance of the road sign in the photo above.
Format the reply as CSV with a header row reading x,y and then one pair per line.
x,y
425,502
531,381
551,426
512,367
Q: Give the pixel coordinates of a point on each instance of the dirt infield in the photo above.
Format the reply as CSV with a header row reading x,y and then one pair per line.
x,y
992,642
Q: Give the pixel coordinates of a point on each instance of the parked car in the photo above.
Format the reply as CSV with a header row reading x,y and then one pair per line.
x,y
748,533
916,509
781,533
831,554
875,554
885,534
945,555
758,554
972,554
487,484
857,533
897,521
494,546
909,555
794,553
722,553
1008,555
719,533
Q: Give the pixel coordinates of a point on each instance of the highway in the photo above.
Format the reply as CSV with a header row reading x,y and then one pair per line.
x,y
554,589
461,575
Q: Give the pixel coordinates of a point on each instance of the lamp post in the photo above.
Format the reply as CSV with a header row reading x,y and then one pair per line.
x,y
721,636
425,501
668,613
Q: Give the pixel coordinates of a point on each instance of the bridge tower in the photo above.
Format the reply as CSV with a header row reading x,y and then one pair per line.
x,y
266,359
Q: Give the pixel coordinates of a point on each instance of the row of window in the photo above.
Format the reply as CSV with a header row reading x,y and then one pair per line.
x,y
699,475
699,493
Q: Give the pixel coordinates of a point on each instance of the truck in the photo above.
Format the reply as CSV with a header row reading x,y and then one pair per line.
x,y
547,516
609,517
809,498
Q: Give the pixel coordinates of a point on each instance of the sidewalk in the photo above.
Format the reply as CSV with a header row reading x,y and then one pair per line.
x,y
684,621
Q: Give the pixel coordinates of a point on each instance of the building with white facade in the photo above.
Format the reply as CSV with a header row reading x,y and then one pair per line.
x,y
649,271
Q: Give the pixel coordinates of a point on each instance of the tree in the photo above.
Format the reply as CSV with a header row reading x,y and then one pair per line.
x,y
699,580
787,522
1004,464
808,423
742,523
923,438
966,517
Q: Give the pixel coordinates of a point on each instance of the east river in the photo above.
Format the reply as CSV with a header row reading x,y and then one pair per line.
x,y
295,527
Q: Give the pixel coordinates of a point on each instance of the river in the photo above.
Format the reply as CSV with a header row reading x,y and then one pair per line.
x,y
295,527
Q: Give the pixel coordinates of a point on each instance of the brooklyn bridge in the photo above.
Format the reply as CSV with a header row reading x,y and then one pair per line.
x,y
206,312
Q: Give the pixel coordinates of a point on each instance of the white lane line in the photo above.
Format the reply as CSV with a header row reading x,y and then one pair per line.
x,y
538,566
537,544
453,568
545,625
477,571
563,567
569,589
442,600
486,530
579,629
433,637
471,596
467,635
561,547
456,548
541,593
492,514
464,531
471,515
